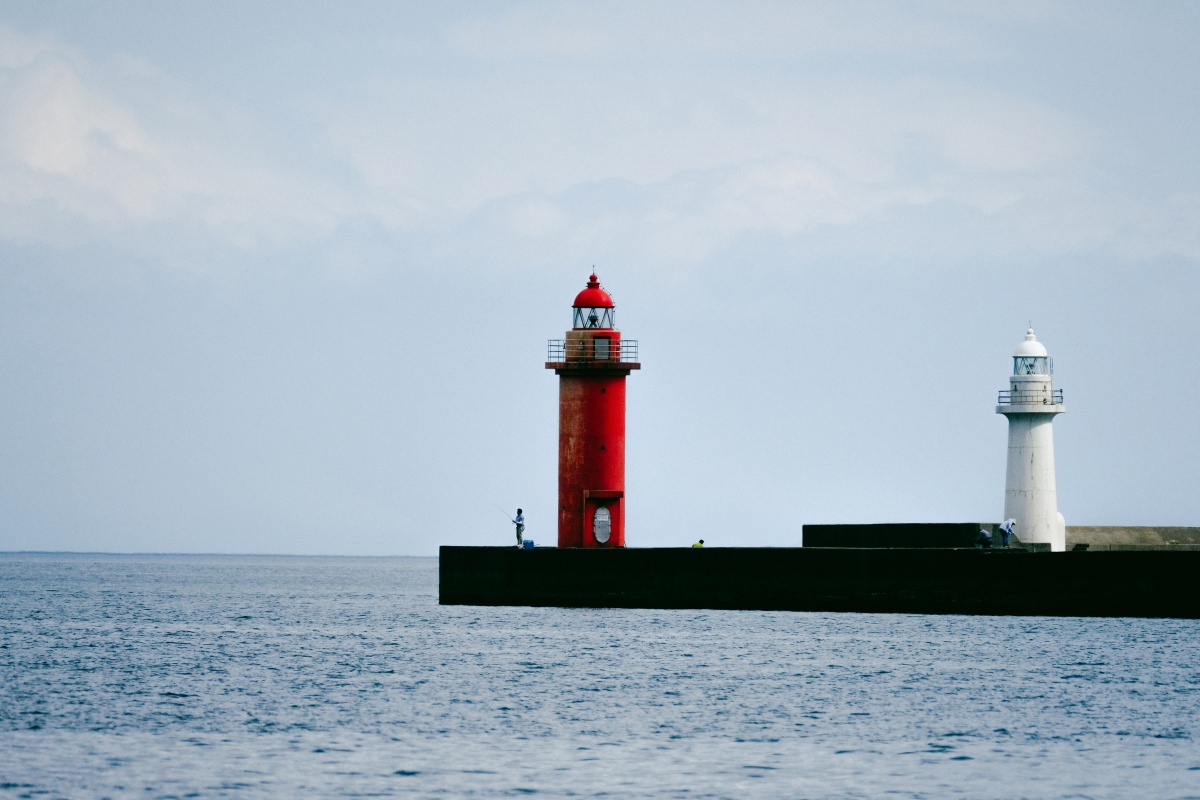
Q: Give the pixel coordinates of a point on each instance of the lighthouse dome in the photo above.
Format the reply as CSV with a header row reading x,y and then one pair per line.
x,y
593,296
593,307
1031,347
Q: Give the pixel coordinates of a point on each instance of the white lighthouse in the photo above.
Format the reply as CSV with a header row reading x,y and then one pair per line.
x,y
1031,403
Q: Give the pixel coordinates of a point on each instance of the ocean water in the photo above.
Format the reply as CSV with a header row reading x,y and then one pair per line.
x,y
201,676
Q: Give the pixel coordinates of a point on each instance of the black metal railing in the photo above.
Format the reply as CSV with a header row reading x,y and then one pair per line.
x,y
584,350
1009,397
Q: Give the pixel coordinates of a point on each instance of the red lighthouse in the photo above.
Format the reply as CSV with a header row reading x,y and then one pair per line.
x,y
592,364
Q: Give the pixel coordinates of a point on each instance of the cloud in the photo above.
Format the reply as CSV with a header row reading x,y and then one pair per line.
x,y
676,129
449,147
584,31
949,216
91,151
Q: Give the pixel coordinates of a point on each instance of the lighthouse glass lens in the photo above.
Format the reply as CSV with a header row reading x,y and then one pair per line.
x,y
592,317
1031,365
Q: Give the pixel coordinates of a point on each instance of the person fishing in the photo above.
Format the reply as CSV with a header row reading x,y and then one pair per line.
x,y
519,521
1006,529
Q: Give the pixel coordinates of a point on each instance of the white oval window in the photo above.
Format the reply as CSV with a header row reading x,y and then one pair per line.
x,y
602,525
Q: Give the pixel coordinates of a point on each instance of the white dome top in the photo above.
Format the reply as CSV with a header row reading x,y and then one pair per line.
x,y
1030,347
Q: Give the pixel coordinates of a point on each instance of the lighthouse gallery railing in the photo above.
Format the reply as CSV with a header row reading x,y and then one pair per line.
x,y
1010,398
556,351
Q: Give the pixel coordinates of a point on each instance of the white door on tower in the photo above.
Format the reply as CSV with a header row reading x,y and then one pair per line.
x,y
602,524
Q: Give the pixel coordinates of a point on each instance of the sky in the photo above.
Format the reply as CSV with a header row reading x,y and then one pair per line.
x,y
278,277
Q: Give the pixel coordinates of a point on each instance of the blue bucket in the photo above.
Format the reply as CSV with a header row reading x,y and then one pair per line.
x,y
529,544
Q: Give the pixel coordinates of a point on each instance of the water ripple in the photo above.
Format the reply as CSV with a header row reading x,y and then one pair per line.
x,y
278,677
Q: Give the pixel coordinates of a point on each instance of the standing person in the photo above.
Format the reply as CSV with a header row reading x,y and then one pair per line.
x,y
1006,531
519,521
699,543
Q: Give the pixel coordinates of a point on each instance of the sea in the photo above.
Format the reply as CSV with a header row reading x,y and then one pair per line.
x,y
190,676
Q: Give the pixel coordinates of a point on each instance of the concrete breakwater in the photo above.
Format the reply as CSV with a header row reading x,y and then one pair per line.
x,y
1149,583
963,534
1133,537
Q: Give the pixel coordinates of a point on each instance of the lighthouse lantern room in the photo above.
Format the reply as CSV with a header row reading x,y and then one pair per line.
x,y
592,364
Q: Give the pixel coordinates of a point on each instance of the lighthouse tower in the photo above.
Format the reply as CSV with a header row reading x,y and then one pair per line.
x,y
592,364
1031,403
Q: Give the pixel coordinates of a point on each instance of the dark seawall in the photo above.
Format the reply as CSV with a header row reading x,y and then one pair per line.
x,y
920,580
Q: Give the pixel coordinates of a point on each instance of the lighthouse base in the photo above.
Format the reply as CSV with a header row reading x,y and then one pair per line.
x,y
914,581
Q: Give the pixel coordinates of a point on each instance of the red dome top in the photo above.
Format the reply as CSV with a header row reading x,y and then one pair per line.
x,y
593,296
